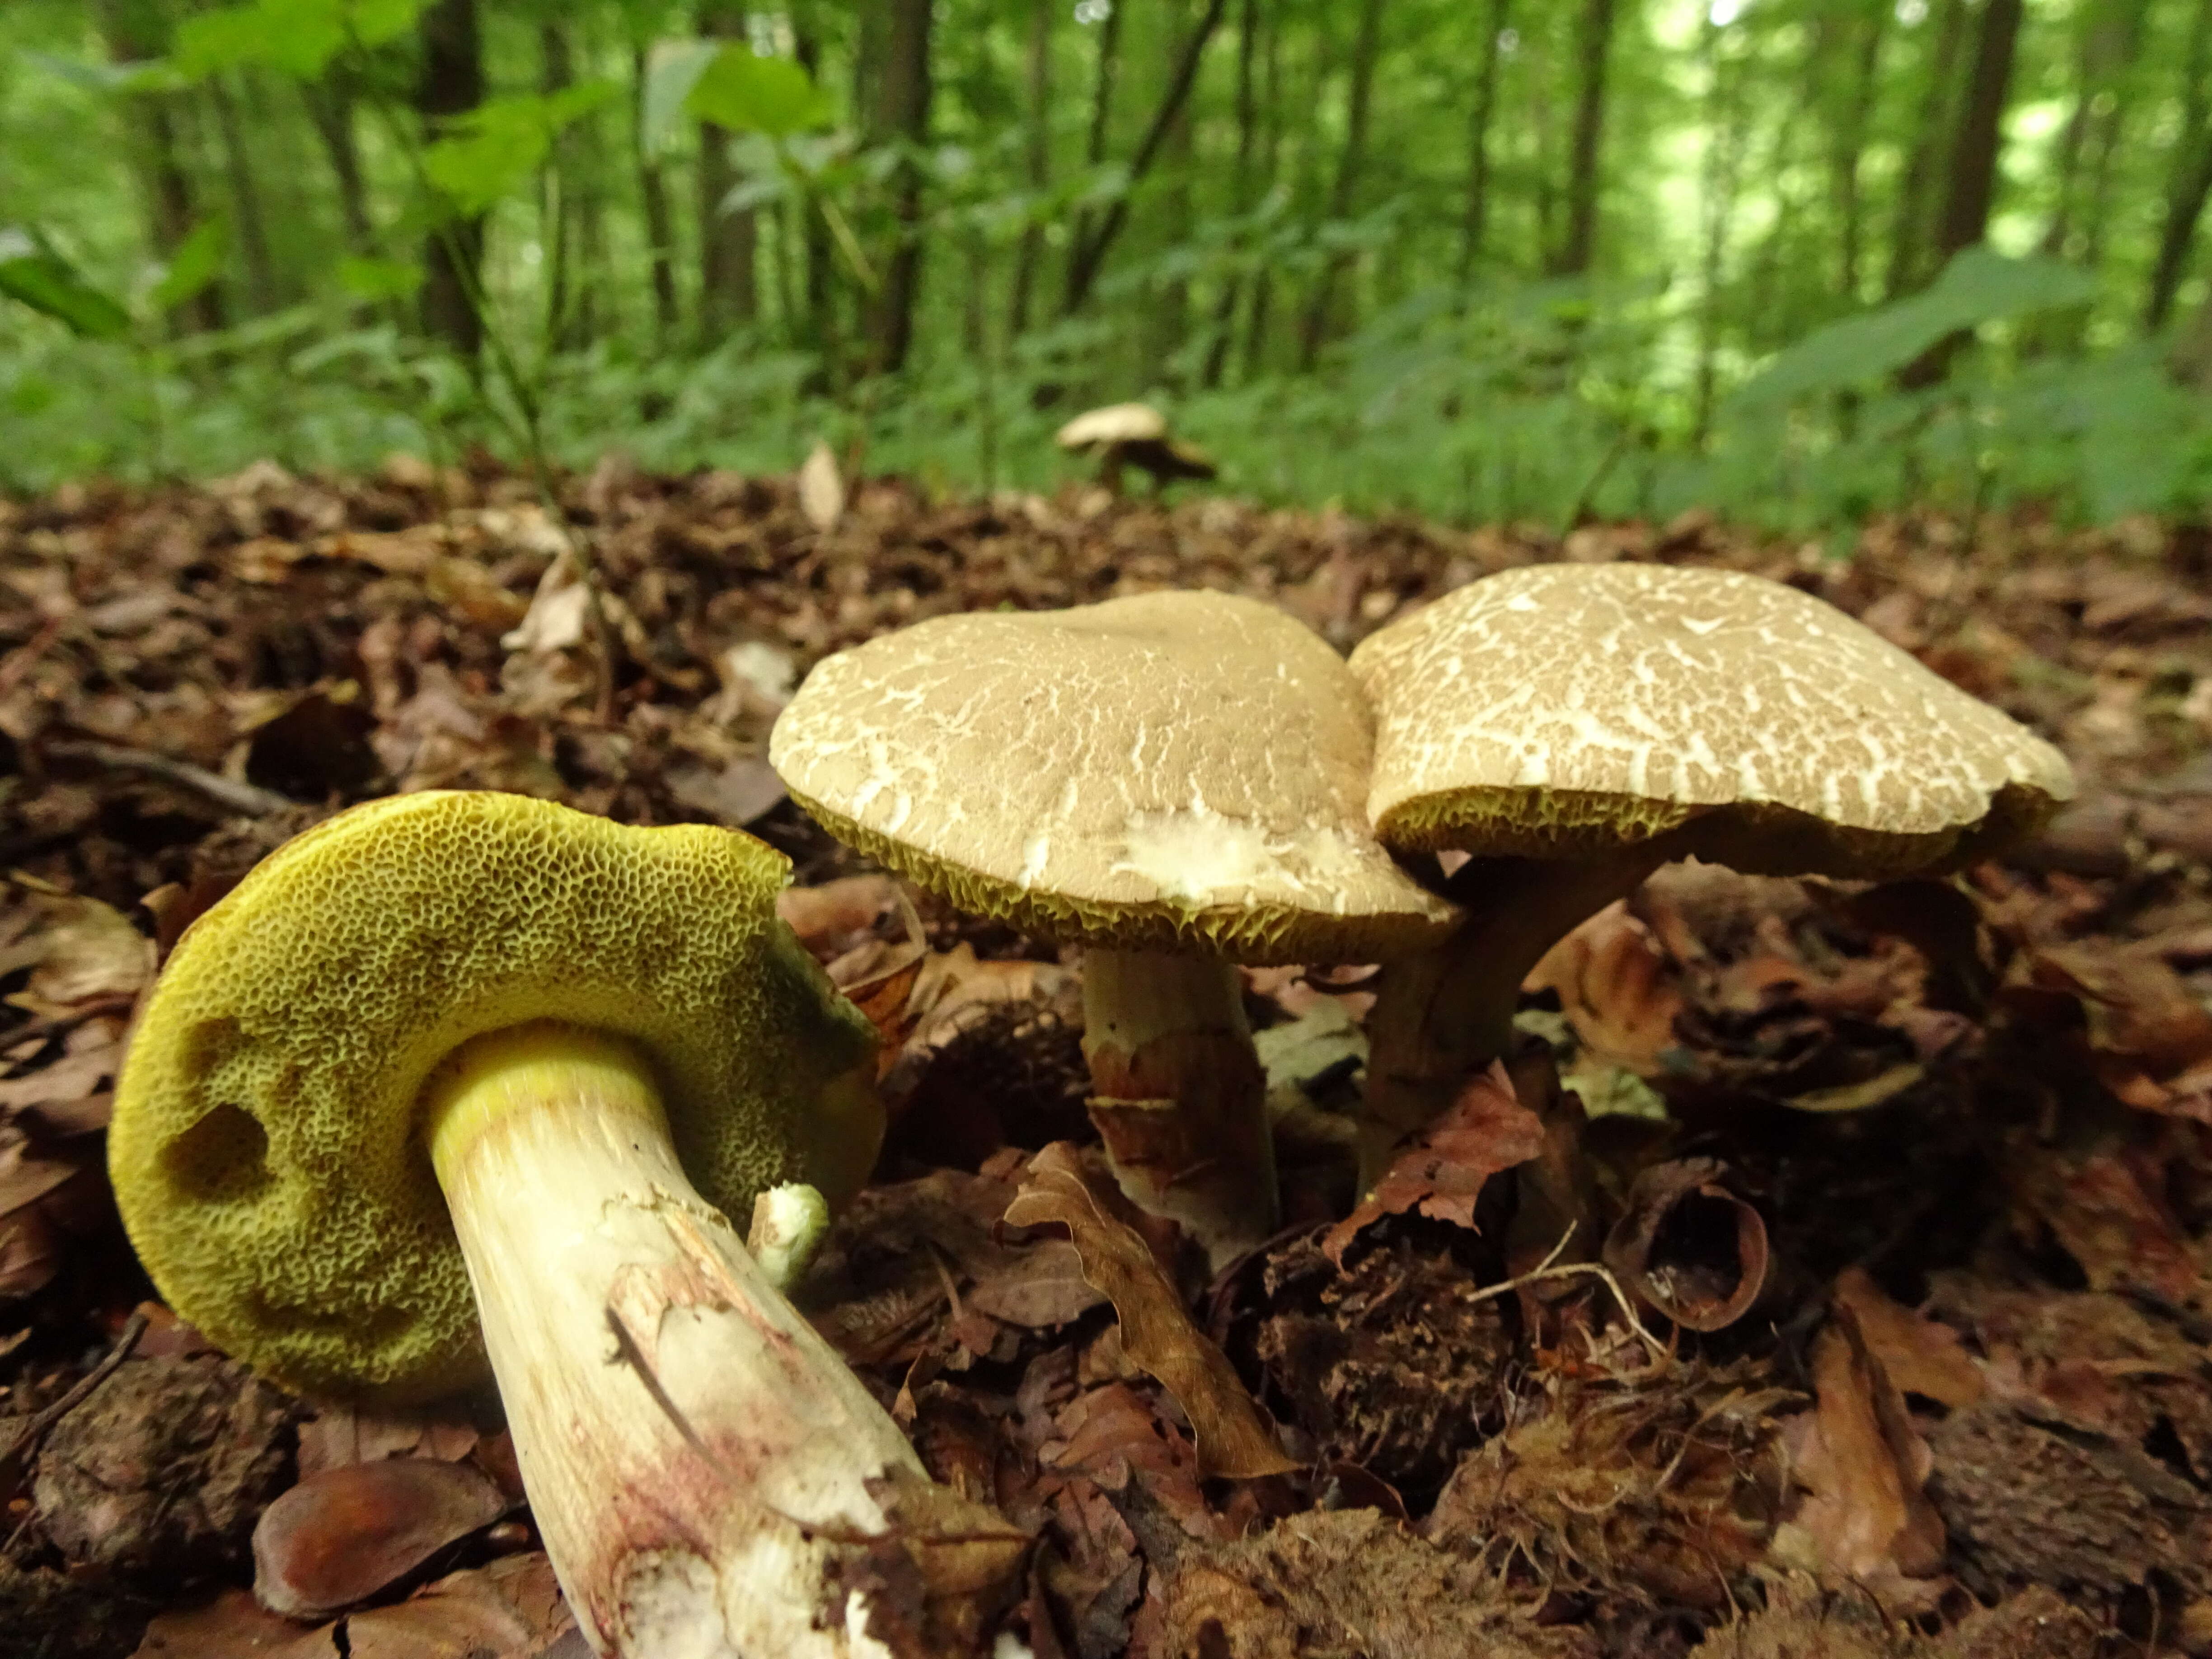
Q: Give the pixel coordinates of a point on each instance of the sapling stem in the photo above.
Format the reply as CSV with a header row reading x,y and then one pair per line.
x,y
699,1461
1179,1094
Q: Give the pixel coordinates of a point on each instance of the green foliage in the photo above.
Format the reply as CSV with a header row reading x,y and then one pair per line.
x,y
297,37
772,96
32,271
1978,286
497,148
196,263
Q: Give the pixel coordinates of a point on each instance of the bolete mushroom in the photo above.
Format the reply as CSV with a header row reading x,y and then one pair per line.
x,y
1176,781
464,1042
1576,727
1134,434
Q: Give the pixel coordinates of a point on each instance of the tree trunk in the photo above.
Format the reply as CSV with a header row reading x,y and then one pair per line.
x,y
1909,232
330,106
1089,256
824,333
1724,139
1974,154
452,83
1248,129
248,222
1477,219
1594,51
2191,178
2106,120
1847,145
136,31
1343,196
1036,159
902,113
1256,317
652,197
729,292
1167,314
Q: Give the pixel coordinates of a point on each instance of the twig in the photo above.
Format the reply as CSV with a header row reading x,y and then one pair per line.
x,y
27,1442
248,798
1544,1270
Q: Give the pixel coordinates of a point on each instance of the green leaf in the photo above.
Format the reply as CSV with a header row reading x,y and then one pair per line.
x,y
33,272
673,70
379,279
746,94
297,37
196,262
497,148
1978,286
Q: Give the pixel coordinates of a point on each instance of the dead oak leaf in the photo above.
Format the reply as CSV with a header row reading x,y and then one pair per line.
x,y
1922,1356
1866,1517
1157,1333
1441,1173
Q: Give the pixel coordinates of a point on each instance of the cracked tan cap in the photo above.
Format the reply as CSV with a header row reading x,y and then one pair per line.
x,y
1563,708
1167,771
266,1150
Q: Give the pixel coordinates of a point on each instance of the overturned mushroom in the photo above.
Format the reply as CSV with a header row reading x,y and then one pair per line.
x,y
1576,727
448,1043
1176,780
1134,434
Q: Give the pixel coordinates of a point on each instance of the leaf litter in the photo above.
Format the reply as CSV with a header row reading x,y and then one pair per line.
x,y
1826,1273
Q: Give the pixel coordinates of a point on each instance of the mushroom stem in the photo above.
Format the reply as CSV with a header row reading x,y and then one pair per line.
x,y
708,1474
1441,1016
1179,1094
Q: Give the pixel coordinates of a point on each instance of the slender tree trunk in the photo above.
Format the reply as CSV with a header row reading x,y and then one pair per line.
x,y
1594,53
1974,157
1848,143
824,333
1256,317
329,107
1724,141
1477,220
1089,256
729,292
561,229
1037,156
1974,154
1248,125
136,30
1105,73
902,113
1343,196
2107,118
1909,232
652,198
248,222
452,83
2191,178
1167,321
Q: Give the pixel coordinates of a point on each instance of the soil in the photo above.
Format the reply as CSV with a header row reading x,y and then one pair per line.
x,y
1829,1272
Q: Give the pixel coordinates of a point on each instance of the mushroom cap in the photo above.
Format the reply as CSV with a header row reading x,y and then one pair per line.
x,y
1117,423
1562,709
1181,771
267,1149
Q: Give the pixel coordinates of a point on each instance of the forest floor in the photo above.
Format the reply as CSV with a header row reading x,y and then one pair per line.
x,y
1933,1163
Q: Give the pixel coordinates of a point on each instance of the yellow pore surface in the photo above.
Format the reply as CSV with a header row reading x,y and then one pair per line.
x,y
268,1148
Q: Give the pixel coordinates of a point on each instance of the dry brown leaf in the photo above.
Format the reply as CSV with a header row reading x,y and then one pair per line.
x,y
821,490
833,917
1922,1356
1866,1517
1440,1174
1157,1332
81,953
343,1536
1613,983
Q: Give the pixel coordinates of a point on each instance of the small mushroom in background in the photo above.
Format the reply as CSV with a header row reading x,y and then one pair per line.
x,y
459,1074
1174,781
1576,727
1134,434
